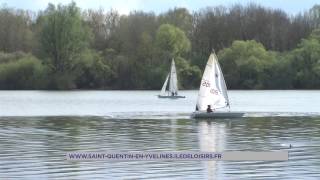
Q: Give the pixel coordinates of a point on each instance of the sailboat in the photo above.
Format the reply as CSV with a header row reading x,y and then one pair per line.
x,y
213,92
172,91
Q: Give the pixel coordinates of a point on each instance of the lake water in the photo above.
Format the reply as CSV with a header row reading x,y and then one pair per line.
x,y
37,128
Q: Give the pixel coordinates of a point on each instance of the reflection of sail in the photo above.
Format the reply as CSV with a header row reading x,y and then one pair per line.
x,y
211,139
173,132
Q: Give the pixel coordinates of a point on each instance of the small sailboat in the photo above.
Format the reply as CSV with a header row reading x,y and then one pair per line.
x,y
213,93
172,91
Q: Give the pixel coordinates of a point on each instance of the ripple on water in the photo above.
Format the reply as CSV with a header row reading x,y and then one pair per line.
x,y
34,148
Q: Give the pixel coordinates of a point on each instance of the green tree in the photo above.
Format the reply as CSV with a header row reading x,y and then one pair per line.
x,y
179,17
173,40
306,62
280,75
103,26
246,64
189,75
93,71
24,72
15,30
63,38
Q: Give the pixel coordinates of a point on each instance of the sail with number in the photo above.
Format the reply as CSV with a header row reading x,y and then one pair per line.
x,y
213,89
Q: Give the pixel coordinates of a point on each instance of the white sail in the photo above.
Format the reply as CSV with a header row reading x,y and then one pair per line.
x,y
222,82
213,90
163,89
173,83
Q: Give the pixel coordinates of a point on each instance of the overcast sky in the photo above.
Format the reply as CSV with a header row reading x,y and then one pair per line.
x,y
158,6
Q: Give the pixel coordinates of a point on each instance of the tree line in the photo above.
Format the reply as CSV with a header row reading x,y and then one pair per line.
x,y
65,47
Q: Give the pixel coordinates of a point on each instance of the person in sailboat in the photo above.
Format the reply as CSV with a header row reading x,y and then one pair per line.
x,y
209,110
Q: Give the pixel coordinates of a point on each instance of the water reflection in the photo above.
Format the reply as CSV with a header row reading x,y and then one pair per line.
x,y
173,132
212,137
34,148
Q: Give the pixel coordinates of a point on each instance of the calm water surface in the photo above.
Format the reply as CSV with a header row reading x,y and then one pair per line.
x,y
37,128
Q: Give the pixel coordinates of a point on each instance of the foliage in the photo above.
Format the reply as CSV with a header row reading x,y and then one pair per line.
x,y
246,64
172,39
93,72
26,72
10,57
63,38
64,47
281,73
306,62
189,75
179,17
15,30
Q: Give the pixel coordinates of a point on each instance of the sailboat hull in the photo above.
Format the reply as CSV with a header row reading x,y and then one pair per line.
x,y
171,97
217,115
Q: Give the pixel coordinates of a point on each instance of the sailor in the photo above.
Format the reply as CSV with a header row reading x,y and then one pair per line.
x,y
209,110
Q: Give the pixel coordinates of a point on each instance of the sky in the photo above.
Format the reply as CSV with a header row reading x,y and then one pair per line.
x,y
159,6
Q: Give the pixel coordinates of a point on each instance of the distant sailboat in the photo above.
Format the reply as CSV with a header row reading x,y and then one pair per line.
x,y
213,92
172,91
